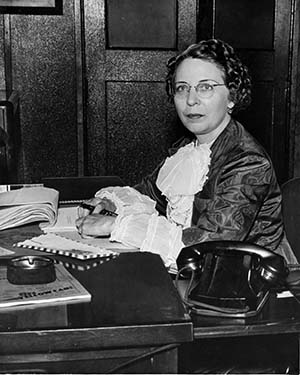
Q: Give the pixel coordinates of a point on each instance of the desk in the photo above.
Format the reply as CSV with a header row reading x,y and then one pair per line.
x,y
135,308
271,339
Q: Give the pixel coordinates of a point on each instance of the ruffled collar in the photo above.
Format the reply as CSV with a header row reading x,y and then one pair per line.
x,y
181,177
186,171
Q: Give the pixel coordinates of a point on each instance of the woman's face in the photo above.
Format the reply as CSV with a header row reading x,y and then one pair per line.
x,y
205,117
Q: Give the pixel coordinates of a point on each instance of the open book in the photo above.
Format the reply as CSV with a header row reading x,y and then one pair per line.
x,y
27,205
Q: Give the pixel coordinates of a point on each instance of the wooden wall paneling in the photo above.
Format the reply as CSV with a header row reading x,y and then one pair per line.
x,y
80,85
258,118
249,29
260,33
294,138
44,74
31,6
205,22
133,24
140,125
246,23
187,23
2,56
260,126
120,85
282,85
7,55
14,152
94,21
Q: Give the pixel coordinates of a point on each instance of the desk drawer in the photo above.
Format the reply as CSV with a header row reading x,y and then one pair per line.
x,y
145,360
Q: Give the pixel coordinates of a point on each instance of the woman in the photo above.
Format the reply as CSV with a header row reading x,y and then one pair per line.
x,y
217,184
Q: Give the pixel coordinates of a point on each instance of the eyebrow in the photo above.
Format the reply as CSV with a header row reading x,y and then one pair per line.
x,y
201,81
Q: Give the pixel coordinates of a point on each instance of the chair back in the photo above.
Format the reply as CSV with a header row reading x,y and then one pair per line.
x,y
291,213
80,188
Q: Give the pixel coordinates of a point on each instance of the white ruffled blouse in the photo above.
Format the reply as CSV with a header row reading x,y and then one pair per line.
x,y
181,177
138,223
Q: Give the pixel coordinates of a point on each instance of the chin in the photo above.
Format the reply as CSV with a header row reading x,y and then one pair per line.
x,y
195,129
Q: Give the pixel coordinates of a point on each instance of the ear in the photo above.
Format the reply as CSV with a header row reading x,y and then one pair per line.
x,y
230,105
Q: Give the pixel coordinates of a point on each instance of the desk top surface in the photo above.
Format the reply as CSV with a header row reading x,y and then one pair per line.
x,y
134,301
134,290
278,316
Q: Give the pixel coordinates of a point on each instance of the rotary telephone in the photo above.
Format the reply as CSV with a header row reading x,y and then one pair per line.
x,y
229,278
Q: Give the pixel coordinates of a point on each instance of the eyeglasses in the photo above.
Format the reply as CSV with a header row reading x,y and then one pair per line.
x,y
204,90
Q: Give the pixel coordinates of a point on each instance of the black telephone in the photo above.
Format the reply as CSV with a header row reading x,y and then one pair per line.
x,y
230,278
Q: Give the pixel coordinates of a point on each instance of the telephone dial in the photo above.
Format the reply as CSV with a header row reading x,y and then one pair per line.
x,y
229,278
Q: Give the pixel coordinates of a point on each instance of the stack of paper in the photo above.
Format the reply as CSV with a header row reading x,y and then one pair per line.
x,y
27,205
56,244
65,221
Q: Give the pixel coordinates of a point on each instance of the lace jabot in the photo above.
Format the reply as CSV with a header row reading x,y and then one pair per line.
x,y
181,177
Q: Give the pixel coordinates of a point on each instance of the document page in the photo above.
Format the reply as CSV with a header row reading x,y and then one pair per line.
x,y
27,205
65,221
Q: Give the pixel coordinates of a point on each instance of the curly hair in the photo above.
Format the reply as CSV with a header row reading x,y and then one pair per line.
x,y
236,76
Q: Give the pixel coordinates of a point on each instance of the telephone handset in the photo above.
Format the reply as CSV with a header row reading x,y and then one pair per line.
x,y
230,278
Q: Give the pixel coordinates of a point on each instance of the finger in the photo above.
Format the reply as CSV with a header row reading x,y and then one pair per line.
x,y
100,206
109,205
95,225
93,201
87,206
79,222
82,212
83,235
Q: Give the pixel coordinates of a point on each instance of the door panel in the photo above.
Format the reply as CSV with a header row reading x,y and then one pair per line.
x,y
130,123
260,34
141,24
258,117
251,23
140,127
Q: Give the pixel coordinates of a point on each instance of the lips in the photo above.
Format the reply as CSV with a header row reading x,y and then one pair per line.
x,y
194,116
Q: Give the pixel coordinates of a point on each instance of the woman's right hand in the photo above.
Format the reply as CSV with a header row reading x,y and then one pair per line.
x,y
99,204
95,225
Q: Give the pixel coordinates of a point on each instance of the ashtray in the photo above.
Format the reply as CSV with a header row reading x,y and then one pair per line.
x,y
31,269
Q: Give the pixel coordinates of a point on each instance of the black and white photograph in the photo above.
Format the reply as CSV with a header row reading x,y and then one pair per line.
x,y
149,186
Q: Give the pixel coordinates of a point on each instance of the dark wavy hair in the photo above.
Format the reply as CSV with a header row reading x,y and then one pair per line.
x,y
236,76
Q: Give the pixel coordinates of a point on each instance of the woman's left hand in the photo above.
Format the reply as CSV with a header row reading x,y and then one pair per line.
x,y
95,225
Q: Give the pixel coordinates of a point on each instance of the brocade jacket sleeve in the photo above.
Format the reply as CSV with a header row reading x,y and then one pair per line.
x,y
242,202
241,199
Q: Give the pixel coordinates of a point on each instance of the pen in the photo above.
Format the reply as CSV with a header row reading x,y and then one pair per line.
x,y
102,212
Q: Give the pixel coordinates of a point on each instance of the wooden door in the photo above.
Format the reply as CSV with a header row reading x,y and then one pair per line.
x,y
262,34
129,122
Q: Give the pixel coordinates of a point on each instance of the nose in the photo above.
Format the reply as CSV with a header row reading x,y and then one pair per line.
x,y
192,97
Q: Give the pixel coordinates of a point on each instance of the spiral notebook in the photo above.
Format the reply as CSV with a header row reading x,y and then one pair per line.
x,y
57,244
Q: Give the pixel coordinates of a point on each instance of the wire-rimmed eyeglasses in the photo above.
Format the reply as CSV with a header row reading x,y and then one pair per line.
x,y
204,90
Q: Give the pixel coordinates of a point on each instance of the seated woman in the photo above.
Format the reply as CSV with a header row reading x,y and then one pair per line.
x,y
216,184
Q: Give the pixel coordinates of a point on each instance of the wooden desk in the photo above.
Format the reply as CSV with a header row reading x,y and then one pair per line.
x,y
269,340
135,309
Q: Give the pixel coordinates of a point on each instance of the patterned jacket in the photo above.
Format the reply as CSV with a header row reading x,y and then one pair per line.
x,y
241,199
